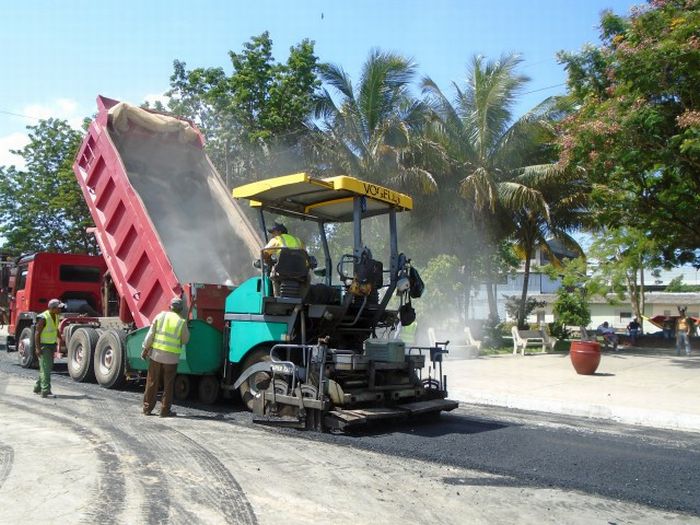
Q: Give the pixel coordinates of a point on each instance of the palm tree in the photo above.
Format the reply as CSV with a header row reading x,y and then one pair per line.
x,y
371,131
567,198
490,154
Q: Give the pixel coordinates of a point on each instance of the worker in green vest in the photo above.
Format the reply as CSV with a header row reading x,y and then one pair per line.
x,y
45,338
162,348
280,239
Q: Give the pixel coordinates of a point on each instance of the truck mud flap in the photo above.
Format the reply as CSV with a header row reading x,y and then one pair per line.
x,y
342,419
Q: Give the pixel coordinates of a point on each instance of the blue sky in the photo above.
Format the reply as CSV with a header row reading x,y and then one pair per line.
x,y
57,56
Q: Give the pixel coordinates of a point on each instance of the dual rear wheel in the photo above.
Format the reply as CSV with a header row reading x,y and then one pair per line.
x,y
101,355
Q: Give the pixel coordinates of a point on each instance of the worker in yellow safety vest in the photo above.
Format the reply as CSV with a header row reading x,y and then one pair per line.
x,y
162,347
45,339
280,239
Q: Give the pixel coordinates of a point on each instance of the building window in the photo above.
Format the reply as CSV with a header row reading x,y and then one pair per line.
x,y
540,316
625,317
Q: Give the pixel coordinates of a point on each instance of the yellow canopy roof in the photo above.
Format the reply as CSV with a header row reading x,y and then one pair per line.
x,y
325,200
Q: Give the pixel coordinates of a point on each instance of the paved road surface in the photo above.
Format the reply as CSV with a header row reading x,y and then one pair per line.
x,y
90,456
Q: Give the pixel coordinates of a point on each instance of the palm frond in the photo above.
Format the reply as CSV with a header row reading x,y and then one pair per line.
x,y
515,196
336,77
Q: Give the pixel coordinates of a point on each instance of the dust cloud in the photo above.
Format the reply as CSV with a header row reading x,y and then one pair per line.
x,y
205,234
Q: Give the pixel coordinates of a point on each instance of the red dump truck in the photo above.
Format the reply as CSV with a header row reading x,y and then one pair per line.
x,y
163,217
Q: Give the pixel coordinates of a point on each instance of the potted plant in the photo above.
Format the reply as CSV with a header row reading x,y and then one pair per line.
x,y
571,307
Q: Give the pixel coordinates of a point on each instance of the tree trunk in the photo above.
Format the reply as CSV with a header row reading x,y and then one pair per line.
x,y
523,296
633,292
642,298
490,294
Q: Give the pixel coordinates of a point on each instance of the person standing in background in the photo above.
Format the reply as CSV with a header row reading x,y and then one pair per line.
x,y
634,328
683,330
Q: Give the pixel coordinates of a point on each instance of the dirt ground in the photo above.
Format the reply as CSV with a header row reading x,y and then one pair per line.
x,y
89,455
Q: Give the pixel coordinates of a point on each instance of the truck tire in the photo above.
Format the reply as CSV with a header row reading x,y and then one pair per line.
x,y
182,387
110,359
208,390
81,352
25,348
260,381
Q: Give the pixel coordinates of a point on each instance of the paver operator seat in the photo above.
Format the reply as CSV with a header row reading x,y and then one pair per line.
x,y
290,274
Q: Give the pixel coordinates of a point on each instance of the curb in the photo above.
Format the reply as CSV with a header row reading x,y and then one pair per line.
x,y
626,415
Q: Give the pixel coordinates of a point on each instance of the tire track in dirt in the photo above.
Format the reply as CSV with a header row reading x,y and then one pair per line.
x,y
109,500
159,448
177,452
7,458
226,494
150,476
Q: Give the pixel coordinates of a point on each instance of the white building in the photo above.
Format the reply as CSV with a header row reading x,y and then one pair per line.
x,y
616,312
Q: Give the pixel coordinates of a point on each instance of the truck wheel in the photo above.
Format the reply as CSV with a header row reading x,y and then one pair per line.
x,y
181,390
25,348
81,350
251,387
109,359
208,390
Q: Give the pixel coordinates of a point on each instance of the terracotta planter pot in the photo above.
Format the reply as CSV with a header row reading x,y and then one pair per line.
x,y
585,356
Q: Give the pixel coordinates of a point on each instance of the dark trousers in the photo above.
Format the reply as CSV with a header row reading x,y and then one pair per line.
x,y
158,374
43,383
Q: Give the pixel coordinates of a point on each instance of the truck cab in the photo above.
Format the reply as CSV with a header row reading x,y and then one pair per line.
x,y
35,279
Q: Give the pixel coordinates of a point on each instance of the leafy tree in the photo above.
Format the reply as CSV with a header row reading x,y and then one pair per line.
x,y
41,206
622,256
255,119
443,289
637,129
676,285
514,308
571,307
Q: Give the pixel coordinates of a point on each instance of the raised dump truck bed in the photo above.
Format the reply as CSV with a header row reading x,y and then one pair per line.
x,y
163,217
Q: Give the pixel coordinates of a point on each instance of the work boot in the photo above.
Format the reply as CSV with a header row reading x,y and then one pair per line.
x,y
37,390
170,413
47,394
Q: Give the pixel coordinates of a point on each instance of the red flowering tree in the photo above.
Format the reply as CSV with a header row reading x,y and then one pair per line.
x,y
637,127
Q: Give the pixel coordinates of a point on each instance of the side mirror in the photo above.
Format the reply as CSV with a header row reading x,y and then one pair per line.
x,y
320,272
257,264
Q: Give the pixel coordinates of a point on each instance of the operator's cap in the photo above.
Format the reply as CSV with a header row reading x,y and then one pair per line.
x,y
56,303
176,304
277,227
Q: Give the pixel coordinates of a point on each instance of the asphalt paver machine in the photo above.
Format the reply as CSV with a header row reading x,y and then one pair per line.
x,y
307,355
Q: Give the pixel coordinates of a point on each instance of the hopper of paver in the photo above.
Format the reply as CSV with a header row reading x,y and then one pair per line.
x,y
163,217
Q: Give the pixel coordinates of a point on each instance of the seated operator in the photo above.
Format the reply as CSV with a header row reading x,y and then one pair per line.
x,y
280,239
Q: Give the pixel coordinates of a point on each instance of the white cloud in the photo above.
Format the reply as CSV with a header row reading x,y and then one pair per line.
x,y
12,142
152,98
62,108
